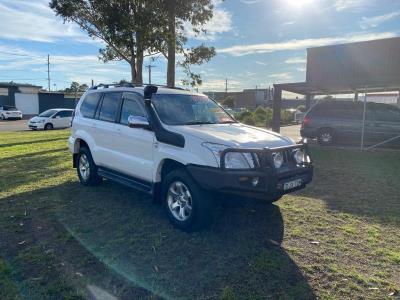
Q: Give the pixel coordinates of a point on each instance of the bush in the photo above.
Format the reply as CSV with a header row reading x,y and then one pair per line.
x,y
249,120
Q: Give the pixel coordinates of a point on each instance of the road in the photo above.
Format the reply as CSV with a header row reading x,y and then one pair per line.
x,y
292,131
13,125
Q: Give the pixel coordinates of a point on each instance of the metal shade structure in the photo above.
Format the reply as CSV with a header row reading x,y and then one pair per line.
x,y
362,67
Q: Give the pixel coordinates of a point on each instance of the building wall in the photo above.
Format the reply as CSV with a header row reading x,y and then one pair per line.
x,y
54,100
27,103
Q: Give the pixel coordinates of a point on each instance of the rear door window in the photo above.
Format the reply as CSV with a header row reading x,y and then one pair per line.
x,y
89,105
109,107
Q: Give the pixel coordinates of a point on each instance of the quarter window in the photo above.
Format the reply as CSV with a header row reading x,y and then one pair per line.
x,y
109,107
89,105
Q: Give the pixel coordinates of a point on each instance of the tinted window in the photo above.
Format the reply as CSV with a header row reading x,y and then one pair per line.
x,y
387,115
64,113
89,104
109,107
130,107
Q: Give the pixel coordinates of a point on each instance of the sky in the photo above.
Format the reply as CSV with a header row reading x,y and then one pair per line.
x,y
258,42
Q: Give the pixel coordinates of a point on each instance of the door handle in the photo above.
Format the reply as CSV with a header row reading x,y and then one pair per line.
x,y
118,131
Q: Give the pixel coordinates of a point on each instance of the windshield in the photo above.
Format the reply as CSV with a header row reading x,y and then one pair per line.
x,y
189,110
48,113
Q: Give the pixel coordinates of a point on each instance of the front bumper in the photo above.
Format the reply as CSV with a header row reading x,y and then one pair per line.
x,y
36,125
270,181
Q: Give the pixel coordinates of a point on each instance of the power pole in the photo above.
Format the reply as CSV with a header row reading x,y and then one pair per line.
x,y
149,66
226,87
92,83
48,71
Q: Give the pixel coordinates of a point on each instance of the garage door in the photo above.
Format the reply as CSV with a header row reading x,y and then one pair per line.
x,y
27,103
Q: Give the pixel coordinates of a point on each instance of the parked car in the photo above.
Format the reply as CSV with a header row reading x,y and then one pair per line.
x,y
182,148
51,119
333,121
10,112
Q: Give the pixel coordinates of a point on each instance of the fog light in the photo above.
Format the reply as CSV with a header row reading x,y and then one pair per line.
x,y
255,181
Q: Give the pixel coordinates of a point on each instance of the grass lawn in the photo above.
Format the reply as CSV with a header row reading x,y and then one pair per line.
x,y
338,239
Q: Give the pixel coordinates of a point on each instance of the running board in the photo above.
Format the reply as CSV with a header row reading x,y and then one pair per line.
x,y
129,181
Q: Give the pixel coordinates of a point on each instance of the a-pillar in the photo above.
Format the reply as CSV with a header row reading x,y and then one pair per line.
x,y
276,109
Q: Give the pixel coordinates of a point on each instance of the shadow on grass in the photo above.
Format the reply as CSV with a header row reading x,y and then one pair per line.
x,y
359,183
33,142
123,242
240,254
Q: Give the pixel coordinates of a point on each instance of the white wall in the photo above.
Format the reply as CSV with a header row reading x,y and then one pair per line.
x,y
27,103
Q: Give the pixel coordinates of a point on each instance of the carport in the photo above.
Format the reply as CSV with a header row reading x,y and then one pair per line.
x,y
363,67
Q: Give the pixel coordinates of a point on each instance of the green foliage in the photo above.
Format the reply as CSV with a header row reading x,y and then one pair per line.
x,y
249,121
229,102
76,88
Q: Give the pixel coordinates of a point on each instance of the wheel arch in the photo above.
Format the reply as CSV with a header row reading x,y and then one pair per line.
x,y
79,143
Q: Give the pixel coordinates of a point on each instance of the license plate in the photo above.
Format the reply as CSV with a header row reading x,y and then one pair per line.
x,y
292,184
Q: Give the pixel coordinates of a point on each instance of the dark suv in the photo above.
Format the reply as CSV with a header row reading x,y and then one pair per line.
x,y
333,121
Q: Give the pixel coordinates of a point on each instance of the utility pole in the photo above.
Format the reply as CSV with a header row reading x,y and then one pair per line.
x,y
149,66
48,71
92,83
226,87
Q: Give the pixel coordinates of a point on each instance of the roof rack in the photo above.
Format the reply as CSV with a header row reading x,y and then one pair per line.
x,y
106,86
165,86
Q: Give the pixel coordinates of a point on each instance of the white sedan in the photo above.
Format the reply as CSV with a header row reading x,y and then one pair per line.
x,y
9,112
52,118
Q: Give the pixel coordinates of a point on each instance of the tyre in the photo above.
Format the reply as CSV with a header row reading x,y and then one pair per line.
x,y
86,168
48,126
3,117
326,137
188,206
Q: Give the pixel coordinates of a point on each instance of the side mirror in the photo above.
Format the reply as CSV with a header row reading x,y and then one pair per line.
x,y
138,122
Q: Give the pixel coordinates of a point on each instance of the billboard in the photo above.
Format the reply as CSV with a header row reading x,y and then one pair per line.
x,y
354,66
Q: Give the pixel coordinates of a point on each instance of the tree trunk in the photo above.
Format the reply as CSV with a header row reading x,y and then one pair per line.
x,y
139,59
171,44
133,61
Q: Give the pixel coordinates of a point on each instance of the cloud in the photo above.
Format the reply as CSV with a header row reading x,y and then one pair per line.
x,y
349,4
240,50
16,62
281,76
261,63
296,60
35,21
377,20
221,22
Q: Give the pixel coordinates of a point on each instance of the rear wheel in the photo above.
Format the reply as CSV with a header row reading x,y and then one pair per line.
x,y
326,137
188,206
48,126
86,168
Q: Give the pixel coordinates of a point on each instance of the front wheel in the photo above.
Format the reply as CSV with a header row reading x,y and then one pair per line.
x,y
48,126
188,206
3,117
86,168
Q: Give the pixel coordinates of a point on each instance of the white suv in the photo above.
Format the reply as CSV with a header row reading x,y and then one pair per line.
x,y
181,147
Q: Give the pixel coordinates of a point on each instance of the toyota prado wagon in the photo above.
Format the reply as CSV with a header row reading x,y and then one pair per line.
x,y
181,147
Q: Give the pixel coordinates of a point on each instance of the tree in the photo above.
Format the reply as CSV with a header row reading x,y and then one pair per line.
x,y
123,25
229,102
75,87
178,13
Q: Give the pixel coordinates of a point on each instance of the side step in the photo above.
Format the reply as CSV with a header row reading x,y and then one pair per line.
x,y
132,182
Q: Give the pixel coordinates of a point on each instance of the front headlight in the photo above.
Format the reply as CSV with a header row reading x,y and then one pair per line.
x,y
233,160
278,159
40,121
300,156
